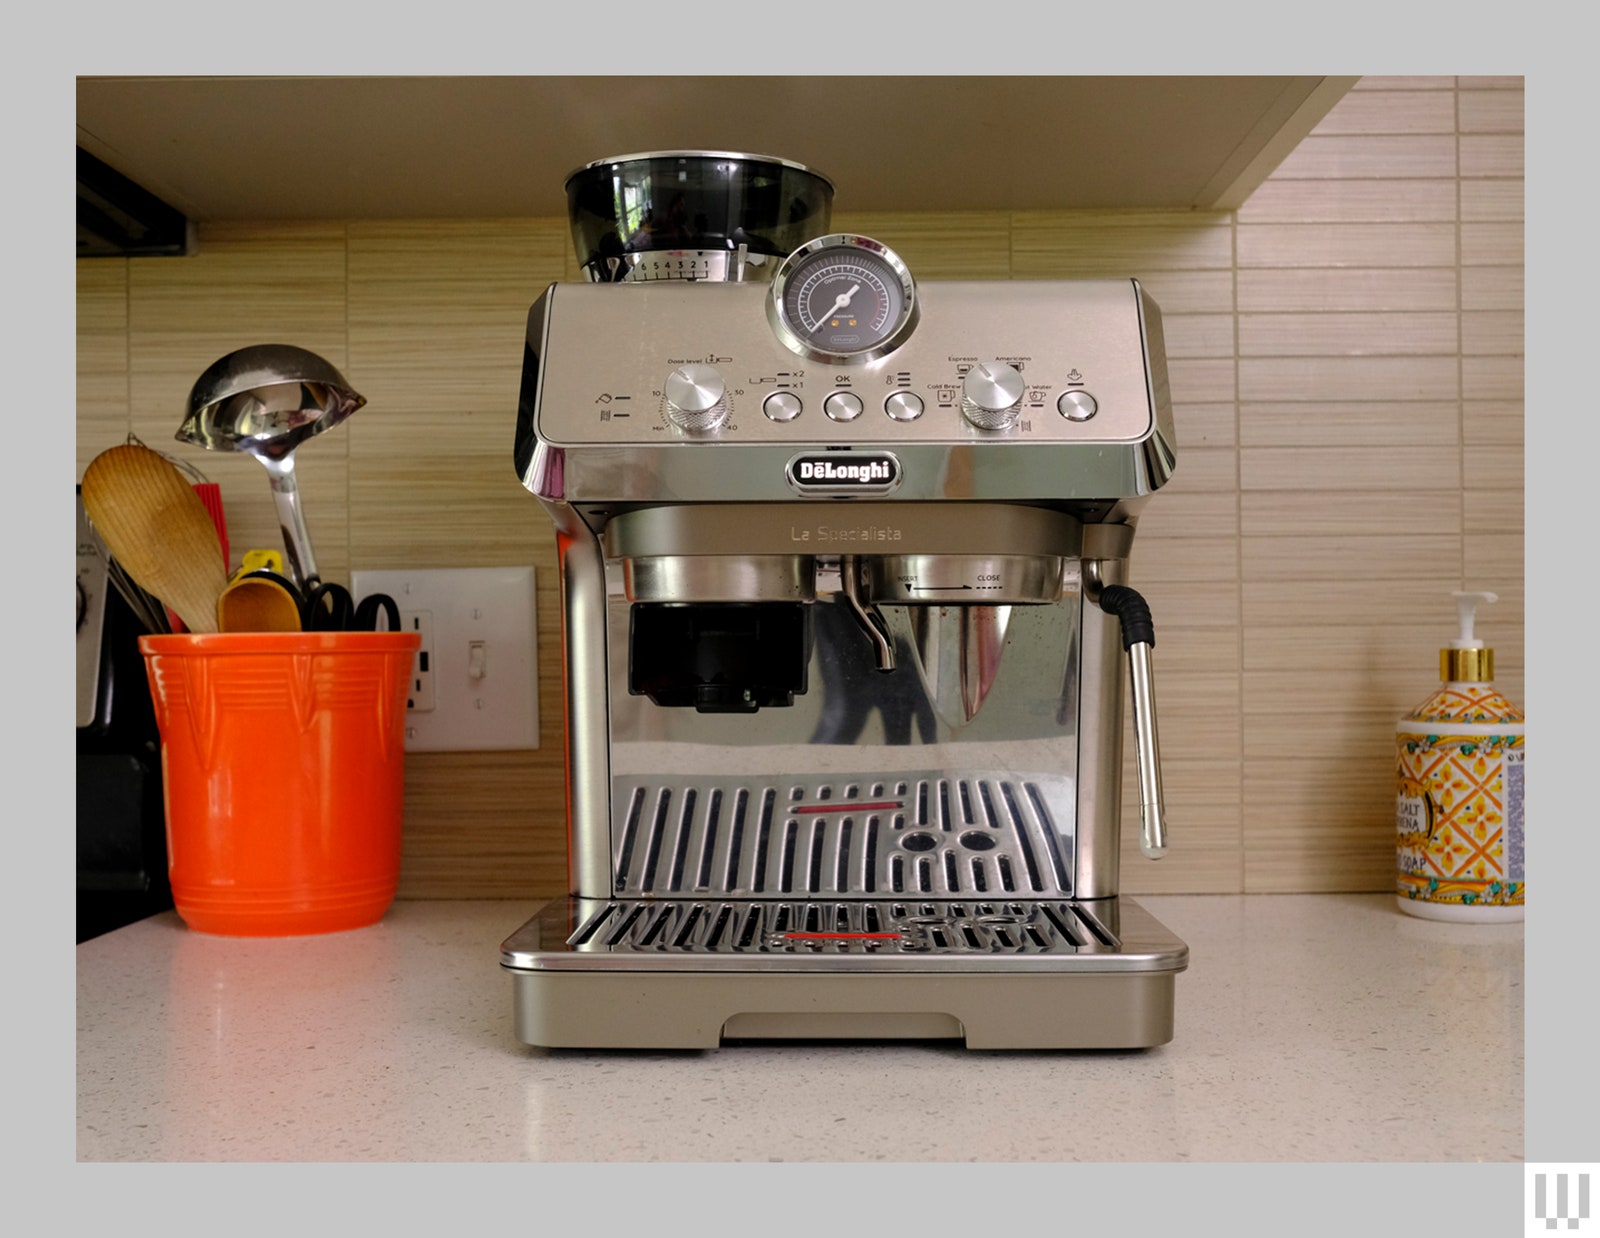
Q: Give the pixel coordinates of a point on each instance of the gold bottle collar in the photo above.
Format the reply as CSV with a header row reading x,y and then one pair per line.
x,y
1466,665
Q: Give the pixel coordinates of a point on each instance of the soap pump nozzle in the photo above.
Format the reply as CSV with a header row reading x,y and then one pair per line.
x,y
1466,612
1468,659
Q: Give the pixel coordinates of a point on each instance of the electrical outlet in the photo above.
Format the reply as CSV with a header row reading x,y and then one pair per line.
x,y
475,685
419,696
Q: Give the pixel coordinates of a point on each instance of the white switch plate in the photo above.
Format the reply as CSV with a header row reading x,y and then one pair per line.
x,y
473,619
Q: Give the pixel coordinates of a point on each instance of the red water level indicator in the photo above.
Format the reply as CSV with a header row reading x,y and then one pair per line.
x,y
878,806
844,936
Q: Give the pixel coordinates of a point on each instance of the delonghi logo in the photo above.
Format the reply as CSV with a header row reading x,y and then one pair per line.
x,y
827,470
844,472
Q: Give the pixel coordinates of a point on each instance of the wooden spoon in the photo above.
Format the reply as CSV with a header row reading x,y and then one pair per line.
x,y
257,604
157,527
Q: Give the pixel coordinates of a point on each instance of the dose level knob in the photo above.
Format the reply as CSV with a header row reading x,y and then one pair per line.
x,y
695,397
991,395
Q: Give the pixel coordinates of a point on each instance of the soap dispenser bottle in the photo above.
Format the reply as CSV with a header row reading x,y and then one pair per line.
x,y
1458,808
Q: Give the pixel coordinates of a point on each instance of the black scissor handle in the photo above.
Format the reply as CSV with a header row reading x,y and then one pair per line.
x,y
328,608
366,619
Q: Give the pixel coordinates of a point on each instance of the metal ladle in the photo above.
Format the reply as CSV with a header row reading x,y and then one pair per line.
x,y
266,400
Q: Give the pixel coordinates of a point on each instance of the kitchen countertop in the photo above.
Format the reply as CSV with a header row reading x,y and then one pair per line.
x,y
1309,1028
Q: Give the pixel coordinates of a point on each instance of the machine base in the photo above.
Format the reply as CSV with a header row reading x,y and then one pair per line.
x,y
1043,995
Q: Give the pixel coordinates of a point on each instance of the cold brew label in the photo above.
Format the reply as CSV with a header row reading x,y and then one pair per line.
x,y
844,472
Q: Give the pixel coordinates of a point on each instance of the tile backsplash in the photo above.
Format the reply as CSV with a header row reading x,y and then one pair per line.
x,y
1346,356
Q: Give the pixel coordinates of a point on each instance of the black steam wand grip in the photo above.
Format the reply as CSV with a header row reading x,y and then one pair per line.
x,y
1129,606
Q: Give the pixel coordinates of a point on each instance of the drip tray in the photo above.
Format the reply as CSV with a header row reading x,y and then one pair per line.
x,y
995,974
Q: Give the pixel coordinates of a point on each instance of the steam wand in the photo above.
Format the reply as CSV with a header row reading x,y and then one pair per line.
x,y
1139,638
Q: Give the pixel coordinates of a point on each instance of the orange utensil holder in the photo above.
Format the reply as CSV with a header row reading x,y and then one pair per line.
x,y
283,766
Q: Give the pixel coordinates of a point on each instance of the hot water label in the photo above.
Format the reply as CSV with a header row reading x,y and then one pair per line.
x,y
844,472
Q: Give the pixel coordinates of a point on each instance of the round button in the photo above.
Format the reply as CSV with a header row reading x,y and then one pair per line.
x,y
903,406
991,395
695,397
781,406
1077,405
843,406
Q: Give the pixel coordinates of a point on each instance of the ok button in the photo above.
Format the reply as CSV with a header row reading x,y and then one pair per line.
x,y
843,406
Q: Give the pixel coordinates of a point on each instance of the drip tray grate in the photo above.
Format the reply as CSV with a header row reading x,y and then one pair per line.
x,y
862,936
998,973
936,836
842,928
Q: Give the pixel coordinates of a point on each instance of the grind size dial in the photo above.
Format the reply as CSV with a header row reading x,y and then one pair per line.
x,y
843,298
696,398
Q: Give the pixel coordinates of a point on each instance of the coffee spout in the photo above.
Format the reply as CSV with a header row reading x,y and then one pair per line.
x,y
957,651
867,614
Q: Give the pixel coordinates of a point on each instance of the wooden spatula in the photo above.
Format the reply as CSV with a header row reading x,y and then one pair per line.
x,y
157,527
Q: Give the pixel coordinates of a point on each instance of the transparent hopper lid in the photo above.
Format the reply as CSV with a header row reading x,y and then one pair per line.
x,y
693,215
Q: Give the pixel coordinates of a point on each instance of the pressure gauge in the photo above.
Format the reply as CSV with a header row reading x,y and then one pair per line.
x,y
843,298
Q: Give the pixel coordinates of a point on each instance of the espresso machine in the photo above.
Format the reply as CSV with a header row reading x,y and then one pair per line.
x,y
844,562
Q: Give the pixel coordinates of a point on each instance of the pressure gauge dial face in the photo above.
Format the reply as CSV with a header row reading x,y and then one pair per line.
x,y
843,298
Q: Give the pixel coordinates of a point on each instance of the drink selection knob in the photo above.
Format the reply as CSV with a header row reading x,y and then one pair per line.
x,y
991,395
696,397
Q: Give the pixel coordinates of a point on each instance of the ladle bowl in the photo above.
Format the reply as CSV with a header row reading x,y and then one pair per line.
x,y
265,400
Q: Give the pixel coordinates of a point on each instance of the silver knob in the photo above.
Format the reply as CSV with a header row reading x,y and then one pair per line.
x,y
695,397
991,395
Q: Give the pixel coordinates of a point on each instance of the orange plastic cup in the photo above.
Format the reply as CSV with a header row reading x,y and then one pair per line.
x,y
283,767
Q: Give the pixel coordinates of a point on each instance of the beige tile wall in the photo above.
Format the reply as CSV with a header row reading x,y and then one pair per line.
x,y
1346,358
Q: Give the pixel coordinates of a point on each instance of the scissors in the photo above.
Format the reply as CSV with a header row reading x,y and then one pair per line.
x,y
330,608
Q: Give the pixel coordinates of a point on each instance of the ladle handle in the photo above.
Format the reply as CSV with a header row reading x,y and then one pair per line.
x,y
302,566
1138,638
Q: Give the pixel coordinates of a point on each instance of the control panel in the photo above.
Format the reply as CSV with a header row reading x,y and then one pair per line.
x,y
988,362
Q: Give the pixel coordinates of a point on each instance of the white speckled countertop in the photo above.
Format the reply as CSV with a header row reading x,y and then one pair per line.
x,y
1309,1028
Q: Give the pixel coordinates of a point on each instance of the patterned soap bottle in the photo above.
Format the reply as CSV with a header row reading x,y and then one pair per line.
x,y
1458,807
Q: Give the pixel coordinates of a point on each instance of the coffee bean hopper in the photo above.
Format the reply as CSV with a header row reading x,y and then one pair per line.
x,y
845,622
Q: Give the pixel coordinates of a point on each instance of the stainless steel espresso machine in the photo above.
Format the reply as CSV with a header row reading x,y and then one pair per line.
x,y
845,618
